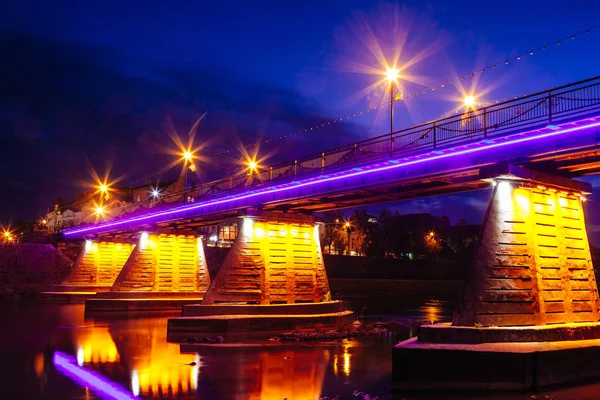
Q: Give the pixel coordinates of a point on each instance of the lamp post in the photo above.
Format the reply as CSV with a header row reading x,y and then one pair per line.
x,y
187,159
392,75
349,230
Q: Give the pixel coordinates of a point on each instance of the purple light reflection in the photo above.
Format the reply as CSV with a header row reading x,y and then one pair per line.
x,y
86,378
389,165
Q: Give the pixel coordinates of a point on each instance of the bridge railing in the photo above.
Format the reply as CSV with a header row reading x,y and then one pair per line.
x,y
528,112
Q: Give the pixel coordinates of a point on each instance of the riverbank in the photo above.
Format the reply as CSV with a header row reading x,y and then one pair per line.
x,y
27,268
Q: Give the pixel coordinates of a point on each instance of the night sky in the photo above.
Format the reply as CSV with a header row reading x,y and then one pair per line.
x,y
93,83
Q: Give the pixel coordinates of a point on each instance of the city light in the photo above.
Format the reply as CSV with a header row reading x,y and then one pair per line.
x,y
144,240
252,165
392,74
469,101
99,210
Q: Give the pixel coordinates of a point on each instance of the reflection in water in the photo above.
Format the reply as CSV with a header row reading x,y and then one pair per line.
x,y
95,345
433,310
87,378
156,368
295,375
259,372
344,358
134,354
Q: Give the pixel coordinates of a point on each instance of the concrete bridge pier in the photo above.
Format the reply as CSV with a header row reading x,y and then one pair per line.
x,y
164,271
272,278
95,270
529,314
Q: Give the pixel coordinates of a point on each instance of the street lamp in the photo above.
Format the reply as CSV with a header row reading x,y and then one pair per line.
x,y
349,230
188,160
469,102
392,75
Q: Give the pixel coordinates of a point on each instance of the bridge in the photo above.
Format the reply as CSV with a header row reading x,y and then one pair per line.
x,y
552,131
533,265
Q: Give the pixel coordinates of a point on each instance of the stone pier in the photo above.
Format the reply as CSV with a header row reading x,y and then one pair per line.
x,y
164,271
272,278
529,313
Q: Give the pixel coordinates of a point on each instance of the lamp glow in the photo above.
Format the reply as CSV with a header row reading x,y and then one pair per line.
x,y
469,101
144,240
247,227
155,193
99,210
187,155
391,74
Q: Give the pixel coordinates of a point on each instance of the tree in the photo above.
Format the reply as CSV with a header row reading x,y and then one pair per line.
x,y
330,232
432,244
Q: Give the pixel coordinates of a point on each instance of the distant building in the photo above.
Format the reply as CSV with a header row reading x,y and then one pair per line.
x,y
118,202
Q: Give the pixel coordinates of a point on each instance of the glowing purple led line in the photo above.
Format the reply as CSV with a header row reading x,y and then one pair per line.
x,y
310,182
68,366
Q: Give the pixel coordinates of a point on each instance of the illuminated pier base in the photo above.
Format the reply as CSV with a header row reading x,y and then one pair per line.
x,y
163,272
529,313
95,270
272,278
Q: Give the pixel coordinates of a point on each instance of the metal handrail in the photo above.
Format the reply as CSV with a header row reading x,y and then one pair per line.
x,y
532,111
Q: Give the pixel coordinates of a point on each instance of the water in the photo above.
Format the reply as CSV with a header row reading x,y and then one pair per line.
x,y
132,354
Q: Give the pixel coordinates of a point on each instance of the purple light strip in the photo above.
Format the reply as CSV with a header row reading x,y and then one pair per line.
x,y
351,173
68,366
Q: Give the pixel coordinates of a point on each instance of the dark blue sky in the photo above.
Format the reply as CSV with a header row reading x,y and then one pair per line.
x,y
96,80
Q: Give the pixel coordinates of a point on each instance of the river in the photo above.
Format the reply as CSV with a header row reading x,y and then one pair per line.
x,y
132,356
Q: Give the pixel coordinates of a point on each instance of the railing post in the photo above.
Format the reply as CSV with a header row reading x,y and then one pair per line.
x,y
434,135
295,166
485,122
231,183
270,173
322,161
391,144
550,108
354,152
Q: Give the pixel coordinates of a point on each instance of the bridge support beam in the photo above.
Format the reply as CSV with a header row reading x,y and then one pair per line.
x,y
531,285
533,265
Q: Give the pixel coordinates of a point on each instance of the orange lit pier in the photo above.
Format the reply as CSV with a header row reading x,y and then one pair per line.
x,y
530,310
164,271
95,270
273,278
